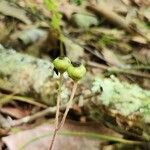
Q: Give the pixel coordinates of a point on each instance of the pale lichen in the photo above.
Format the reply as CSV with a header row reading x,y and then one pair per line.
x,y
126,98
23,73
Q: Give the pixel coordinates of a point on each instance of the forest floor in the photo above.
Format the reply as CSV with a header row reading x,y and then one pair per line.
x,y
111,108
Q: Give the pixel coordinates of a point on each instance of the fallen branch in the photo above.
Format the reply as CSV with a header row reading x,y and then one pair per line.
x,y
115,70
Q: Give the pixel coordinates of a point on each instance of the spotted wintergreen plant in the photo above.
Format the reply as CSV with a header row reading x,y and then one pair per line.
x,y
76,71
61,64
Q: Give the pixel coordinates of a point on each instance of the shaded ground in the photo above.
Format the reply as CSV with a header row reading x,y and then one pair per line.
x,y
110,37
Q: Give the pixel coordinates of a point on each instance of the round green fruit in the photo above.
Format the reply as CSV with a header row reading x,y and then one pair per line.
x,y
61,64
76,71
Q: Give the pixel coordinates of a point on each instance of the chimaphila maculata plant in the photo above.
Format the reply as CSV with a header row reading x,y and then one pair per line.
x,y
76,71
60,64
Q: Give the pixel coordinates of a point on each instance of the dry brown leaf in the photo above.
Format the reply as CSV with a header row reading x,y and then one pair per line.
x,y
1,145
111,58
15,141
15,112
145,12
67,8
115,5
142,2
142,56
139,39
8,9
74,51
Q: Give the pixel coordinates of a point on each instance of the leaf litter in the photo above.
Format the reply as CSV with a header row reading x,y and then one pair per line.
x,y
116,38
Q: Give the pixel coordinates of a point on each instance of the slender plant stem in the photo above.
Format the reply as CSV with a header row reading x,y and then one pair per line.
x,y
68,105
61,49
53,139
58,100
57,111
57,127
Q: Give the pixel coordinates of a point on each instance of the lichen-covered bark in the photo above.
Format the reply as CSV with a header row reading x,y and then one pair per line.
x,y
122,106
24,74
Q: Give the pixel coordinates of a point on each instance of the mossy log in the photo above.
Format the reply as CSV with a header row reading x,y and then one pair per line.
x,y
24,74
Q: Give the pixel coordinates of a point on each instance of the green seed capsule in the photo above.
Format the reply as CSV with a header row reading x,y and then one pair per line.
x,y
76,71
61,64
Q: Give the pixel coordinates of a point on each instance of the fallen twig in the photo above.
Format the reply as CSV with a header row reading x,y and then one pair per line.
x,y
110,15
129,71
49,110
116,19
